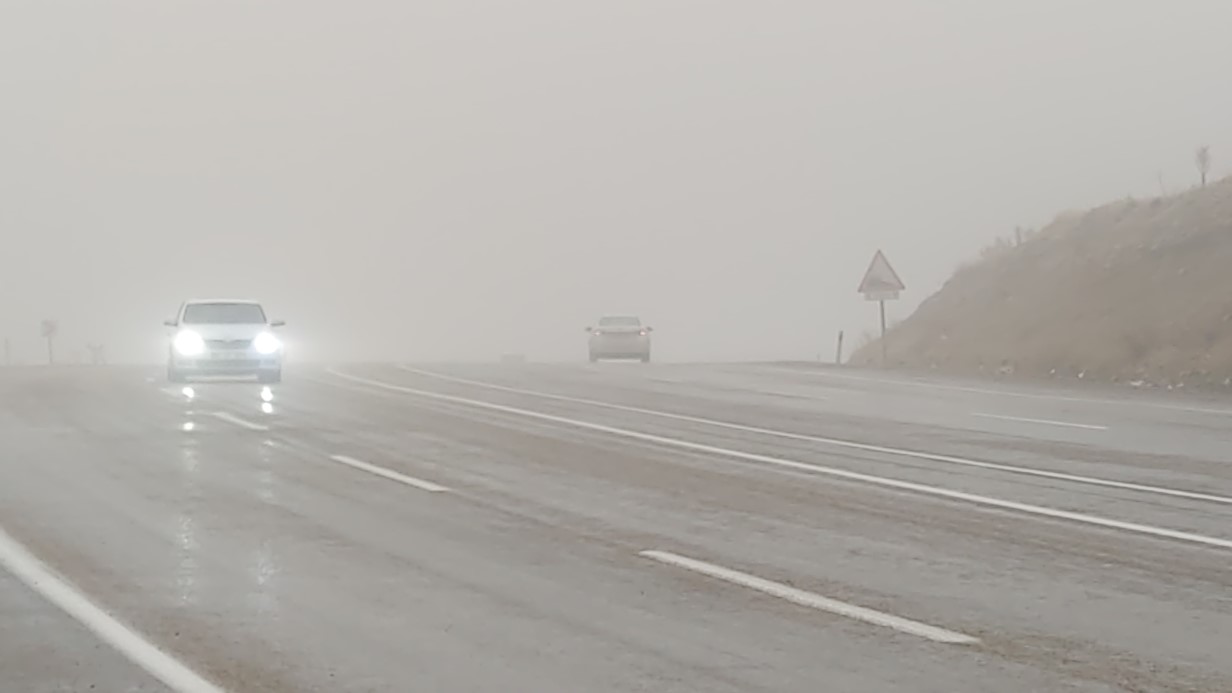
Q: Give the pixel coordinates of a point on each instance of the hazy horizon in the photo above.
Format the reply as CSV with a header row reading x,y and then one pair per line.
x,y
441,181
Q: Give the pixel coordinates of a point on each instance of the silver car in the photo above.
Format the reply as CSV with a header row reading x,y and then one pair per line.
x,y
620,337
224,338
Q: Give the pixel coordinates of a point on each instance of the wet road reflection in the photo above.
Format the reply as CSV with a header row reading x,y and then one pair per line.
x,y
186,542
199,398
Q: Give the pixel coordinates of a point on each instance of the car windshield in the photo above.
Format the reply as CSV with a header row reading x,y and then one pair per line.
x,y
619,321
223,314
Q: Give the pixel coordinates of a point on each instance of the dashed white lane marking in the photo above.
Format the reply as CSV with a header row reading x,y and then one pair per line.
x,y
183,393
389,474
243,423
847,444
665,379
812,600
987,501
37,576
1042,422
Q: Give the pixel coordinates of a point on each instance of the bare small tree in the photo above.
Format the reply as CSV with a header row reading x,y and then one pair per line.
x,y
97,353
1202,158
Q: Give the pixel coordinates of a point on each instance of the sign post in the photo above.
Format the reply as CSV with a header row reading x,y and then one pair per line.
x,y
50,328
884,356
881,284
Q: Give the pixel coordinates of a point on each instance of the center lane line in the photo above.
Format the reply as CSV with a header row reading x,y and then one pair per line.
x,y
243,423
811,600
389,474
986,501
838,443
1044,422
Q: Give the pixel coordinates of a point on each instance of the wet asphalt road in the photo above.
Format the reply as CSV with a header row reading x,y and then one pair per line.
x,y
451,528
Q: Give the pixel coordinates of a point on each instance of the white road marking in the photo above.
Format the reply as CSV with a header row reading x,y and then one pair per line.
x,y
987,501
812,600
389,474
669,381
1006,393
179,393
37,576
232,418
847,444
1045,422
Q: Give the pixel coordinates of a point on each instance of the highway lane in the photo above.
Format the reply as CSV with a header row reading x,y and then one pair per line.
x,y
1092,477
1135,557
1156,439
248,552
1136,421
265,567
1059,413
45,650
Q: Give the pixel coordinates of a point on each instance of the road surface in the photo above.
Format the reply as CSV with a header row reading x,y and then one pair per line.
x,y
615,527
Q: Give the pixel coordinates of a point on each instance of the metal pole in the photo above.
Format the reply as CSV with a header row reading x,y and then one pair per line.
x,y
884,359
838,355
50,354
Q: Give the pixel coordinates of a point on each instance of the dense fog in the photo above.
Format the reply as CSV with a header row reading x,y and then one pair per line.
x,y
460,180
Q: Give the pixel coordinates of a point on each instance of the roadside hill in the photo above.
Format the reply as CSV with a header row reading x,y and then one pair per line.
x,y
1134,291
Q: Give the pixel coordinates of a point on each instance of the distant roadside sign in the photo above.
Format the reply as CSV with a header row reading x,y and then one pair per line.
x,y
50,328
881,296
881,282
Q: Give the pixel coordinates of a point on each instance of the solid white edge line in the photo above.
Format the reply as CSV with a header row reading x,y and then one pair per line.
x,y
987,501
42,580
232,418
812,600
389,474
847,444
1045,422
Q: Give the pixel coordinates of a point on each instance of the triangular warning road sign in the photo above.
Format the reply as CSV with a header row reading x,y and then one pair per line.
x,y
880,277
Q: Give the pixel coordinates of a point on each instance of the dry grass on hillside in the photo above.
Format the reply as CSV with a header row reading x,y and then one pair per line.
x,y
1132,291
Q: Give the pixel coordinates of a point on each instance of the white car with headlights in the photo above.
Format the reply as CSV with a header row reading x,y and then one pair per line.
x,y
224,338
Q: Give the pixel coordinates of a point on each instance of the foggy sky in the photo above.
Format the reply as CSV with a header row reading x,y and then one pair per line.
x,y
456,180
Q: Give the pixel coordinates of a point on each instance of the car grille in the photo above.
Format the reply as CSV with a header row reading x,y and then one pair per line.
x,y
228,344
228,365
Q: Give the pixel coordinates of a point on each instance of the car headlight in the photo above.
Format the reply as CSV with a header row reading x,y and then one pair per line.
x,y
189,343
266,343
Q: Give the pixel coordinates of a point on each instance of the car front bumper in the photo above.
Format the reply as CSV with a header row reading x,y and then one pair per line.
x,y
227,364
620,347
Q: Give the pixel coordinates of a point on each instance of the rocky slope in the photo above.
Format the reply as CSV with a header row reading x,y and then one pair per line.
x,y
1134,291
